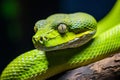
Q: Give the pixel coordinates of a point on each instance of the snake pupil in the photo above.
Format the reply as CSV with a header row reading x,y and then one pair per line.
x,y
62,28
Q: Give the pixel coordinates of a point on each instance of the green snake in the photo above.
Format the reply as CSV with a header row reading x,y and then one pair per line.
x,y
66,41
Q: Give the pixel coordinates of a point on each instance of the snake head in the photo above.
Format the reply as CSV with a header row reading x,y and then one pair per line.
x,y
61,31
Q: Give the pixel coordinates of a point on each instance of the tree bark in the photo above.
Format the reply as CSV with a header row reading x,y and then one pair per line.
x,y
106,69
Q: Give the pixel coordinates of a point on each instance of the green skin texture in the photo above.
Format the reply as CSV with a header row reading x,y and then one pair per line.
x,y
40,65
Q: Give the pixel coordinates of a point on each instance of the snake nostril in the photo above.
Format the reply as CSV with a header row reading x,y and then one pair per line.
x,y
41,39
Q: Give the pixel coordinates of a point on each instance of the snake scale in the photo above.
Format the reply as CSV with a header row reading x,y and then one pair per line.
x,y
66,41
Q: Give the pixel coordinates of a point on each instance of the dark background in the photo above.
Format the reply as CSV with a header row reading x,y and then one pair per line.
x,y
17,19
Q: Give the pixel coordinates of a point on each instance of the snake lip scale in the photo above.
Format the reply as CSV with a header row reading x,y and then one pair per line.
x,y
71,44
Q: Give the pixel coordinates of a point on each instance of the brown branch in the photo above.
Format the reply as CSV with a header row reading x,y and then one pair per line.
x,y
106,69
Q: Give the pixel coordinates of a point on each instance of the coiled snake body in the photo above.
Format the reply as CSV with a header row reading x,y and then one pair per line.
x,y
66,41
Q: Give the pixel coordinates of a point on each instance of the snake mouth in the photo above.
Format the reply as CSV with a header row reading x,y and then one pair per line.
x,y
76,42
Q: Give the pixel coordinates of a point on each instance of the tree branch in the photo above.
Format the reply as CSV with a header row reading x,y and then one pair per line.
x,y
106,69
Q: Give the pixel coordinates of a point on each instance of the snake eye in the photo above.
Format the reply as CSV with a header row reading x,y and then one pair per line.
x,y
62,28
